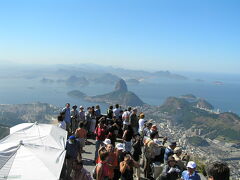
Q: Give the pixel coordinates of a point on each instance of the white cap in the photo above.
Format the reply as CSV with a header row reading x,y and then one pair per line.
x,y
107,141
120,146
191,165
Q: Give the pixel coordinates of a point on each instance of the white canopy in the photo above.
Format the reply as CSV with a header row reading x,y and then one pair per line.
x,y
32,152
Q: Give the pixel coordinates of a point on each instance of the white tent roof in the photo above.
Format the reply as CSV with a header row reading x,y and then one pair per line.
x,y
32,152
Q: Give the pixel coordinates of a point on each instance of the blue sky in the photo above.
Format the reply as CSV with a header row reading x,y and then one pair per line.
x,y
179,35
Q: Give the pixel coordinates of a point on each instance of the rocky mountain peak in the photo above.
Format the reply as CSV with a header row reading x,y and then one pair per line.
x,y
121,86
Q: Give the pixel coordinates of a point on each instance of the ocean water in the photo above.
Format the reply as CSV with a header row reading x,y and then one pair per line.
x,y
225,97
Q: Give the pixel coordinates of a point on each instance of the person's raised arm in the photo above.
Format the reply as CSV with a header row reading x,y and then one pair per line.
x,y
123,166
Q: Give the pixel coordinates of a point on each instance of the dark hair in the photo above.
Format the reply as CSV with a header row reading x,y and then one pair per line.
x,y
68,104
102,120
110,107
153,134
60,118
81,124
103,155
218,171
117,105
171,158
129,108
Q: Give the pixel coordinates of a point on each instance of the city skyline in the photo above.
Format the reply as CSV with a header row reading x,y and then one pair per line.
x,y
199,36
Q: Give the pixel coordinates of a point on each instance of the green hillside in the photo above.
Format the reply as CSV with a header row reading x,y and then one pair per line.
x,y
224,125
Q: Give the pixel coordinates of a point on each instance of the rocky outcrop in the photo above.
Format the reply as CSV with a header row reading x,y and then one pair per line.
x,y
121,86
120,95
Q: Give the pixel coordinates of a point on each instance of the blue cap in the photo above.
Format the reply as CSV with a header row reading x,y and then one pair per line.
x,y
72,137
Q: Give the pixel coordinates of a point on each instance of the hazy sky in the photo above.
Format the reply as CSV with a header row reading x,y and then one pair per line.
x,y
188,35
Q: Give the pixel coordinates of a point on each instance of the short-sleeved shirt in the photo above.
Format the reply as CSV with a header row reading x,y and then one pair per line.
x,y
168,152
141,125
187,176
72,149
62,125
101,133
125,117
116,112
81,133
67,117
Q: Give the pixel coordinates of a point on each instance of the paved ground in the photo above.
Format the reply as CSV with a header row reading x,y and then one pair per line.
x,y
88,155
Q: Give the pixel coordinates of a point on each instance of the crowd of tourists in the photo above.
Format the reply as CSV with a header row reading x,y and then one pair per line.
x,y
127,147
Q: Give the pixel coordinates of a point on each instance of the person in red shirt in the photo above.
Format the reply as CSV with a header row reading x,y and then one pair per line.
x,y
101,133
112,158
102,168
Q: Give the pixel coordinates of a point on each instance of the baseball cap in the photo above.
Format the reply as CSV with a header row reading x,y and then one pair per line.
x,y
120,146
191,165
107,141
72,137
81,107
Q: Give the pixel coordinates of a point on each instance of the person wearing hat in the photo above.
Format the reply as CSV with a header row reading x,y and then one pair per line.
x,y
169,151
112,158
170,171
178,158
106,142
190,173
74,118
120,156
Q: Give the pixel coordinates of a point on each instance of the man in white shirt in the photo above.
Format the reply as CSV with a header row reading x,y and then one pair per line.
x,y
125,118
61,123
116,111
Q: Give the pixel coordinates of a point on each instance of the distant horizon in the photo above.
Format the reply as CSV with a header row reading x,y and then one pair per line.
x,y
197,36
16,64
